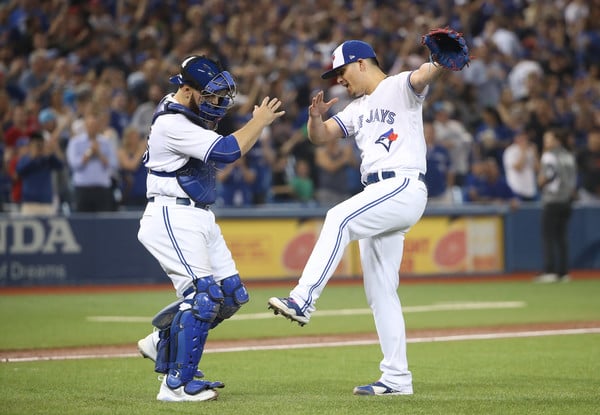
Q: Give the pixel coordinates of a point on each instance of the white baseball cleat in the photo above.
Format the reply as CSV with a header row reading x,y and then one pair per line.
x,y
380,389
288,308
148,346
179,394
546,278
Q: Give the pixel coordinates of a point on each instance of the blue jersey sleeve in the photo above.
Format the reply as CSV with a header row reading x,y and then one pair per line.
x,y
225,150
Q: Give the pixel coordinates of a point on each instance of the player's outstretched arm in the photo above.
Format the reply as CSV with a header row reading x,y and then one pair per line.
x,y
320,131
425,75
263,115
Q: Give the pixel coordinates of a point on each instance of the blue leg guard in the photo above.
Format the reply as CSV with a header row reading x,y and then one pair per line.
x,y
235,294
162,353
189,331
162,321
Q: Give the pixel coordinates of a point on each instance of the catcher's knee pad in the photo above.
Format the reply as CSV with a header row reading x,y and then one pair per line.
x,y
235,294
164,317
189,331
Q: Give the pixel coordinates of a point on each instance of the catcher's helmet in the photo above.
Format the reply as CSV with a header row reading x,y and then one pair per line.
x,y
207,76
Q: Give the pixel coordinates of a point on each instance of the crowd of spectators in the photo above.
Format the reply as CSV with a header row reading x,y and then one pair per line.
x,y
71,69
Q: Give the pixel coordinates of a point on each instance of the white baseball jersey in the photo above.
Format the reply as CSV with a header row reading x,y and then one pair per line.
x,y
388,127
172,141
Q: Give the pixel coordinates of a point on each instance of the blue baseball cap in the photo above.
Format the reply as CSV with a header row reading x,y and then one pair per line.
x,y
348,52
22,141
46,115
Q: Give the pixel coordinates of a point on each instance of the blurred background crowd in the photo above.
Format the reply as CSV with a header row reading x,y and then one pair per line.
x,y
71,69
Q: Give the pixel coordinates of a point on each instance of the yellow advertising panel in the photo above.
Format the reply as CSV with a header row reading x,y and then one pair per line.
x,y
275,248
279,248
441,245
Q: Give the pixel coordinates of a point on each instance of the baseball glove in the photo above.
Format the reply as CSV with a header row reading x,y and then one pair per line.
x,y
447,48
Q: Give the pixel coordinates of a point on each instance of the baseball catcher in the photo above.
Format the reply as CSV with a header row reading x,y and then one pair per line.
x,y
447,48
179,229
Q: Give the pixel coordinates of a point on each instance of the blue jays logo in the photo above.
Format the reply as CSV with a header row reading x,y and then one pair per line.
x,y
387,138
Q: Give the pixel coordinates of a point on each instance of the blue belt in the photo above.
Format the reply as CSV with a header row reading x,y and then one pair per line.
x,y
374,177
186,202
163,173
189,290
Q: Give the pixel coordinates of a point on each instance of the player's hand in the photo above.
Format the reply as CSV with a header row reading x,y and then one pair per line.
x,y
318,106
94,148
267,112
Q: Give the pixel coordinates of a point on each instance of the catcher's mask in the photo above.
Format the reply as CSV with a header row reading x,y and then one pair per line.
x,y
206,76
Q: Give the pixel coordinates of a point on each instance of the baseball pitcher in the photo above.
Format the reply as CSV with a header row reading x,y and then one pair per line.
x,y
385,119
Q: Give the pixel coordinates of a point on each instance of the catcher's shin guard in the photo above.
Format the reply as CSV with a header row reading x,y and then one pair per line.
x,y
189,331
235,294
162,321
161,365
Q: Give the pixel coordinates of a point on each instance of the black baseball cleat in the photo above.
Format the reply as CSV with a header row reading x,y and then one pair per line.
x,y
288,308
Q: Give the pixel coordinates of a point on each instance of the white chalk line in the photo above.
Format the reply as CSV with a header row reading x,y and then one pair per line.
x,y
343,312
460,337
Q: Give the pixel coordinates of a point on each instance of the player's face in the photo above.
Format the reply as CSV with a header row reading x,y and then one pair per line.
x,y
550,140
197,98
214,98
349,76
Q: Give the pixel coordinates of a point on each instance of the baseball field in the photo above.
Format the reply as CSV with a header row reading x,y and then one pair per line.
x,y
475,347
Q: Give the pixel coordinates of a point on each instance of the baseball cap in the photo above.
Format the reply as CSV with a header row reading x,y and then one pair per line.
x,y
47,114
197,72
22,141
348,52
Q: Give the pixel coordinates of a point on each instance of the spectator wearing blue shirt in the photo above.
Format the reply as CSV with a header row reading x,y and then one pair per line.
x,y
35,169
234,183
93,160
495,188
260,158
492,136
440,175
473,187
489,186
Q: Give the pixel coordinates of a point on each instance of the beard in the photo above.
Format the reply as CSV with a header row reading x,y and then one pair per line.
x,y
194,105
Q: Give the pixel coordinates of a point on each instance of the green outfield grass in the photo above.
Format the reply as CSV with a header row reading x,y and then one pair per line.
x,y
36,321
533,375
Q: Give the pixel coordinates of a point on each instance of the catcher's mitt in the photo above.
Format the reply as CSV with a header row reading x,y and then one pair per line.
x,y
447,48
